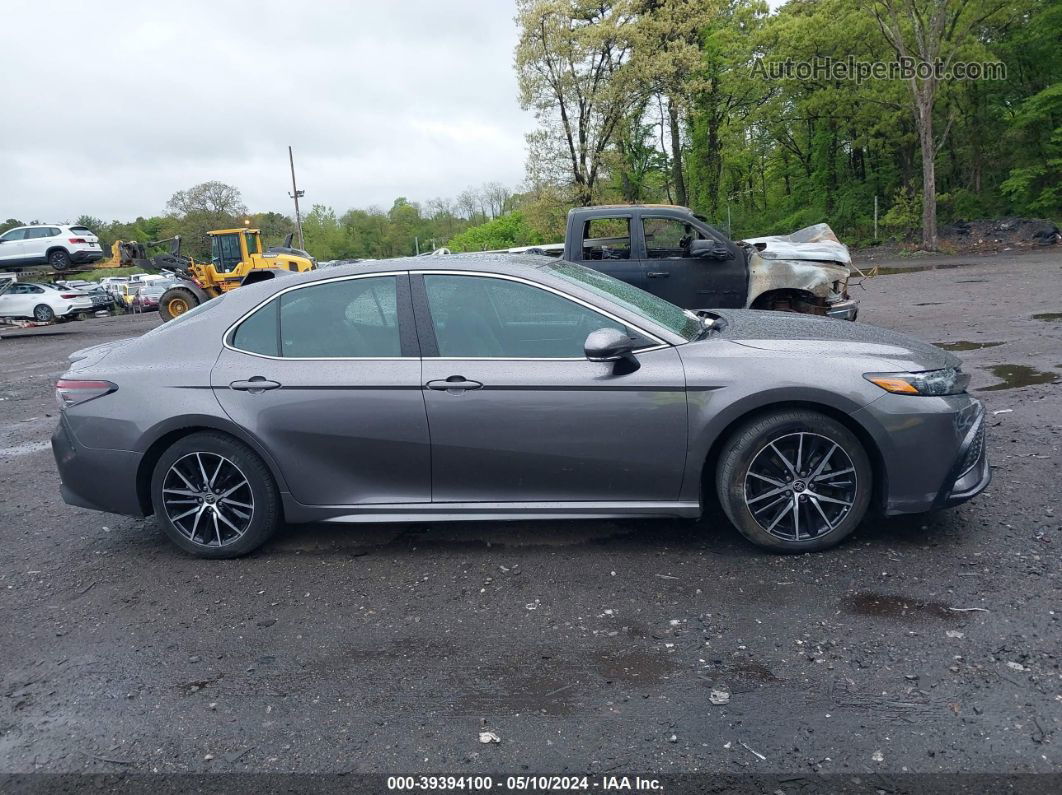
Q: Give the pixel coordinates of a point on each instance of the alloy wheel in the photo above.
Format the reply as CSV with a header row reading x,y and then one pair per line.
x,y
208,499
800,486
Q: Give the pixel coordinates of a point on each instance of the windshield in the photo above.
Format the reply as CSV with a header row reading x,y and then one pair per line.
x,y
641,303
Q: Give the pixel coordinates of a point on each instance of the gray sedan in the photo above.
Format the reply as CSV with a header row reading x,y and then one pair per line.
x,y
512,387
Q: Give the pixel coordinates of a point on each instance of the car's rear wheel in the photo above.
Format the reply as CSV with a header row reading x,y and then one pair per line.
x,y
214,497
794,481
176,301
60,260
43,313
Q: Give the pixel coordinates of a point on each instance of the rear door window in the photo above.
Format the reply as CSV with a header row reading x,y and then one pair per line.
x,y
355,318
607,238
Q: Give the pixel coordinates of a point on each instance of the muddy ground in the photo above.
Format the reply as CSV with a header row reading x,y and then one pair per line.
x,y
921,645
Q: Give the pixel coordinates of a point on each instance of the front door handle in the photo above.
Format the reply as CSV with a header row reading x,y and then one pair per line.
x,y
254,384
455,384
659,274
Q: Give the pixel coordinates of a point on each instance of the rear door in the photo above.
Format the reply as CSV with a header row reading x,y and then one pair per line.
x,y
37,241
609,243
327,377
691,282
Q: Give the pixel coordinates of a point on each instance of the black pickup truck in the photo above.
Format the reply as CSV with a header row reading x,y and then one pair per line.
x,y
673,253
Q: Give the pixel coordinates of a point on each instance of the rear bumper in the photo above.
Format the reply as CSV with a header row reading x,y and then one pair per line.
x,y
102,480
847,309
86,256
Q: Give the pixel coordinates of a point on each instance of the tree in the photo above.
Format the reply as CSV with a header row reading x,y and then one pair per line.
x,y
571,64
505,232
930,33
666,58
10,223
212,197
89,221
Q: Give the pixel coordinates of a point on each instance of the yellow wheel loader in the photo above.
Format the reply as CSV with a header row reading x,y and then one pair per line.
x,y
236,258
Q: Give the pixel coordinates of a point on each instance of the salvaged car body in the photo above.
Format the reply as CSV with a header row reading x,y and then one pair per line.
x,y
673,253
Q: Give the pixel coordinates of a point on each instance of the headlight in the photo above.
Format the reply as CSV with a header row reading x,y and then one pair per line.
x,y
950,381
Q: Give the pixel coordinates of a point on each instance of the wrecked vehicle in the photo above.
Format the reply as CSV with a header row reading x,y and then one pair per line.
x,y
673,253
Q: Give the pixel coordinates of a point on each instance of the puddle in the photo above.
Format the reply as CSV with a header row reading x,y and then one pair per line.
x,y
965,345
880,605
634,666
1016,376
1050,317
936,266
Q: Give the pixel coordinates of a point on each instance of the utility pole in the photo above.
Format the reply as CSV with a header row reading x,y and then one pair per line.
x,y
296,194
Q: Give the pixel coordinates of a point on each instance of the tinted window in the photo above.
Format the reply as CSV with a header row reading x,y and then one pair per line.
x,y
39,232
352,318
607,238
477,316
258,333
81,230
14,234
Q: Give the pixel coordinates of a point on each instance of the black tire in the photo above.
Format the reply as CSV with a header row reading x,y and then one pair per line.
x,y
60,259
43,313
787,500
201,452
174,299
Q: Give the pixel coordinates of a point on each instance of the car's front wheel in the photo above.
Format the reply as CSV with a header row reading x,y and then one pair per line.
x,y
214,497
794,481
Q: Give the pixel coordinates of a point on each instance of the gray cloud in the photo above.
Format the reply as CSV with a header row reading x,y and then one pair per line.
x,y
110,107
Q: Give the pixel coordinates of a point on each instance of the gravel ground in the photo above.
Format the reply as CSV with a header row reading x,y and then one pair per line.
x,y
924,644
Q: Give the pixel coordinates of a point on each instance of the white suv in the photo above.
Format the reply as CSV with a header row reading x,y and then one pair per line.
x,y
57,245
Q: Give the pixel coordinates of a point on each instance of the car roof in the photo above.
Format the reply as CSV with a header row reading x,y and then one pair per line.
x,y
505,264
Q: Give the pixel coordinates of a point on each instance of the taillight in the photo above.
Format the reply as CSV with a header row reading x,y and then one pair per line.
x,y
69,392
78,240
68,296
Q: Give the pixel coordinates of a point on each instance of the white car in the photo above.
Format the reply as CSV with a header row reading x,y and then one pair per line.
x,y
43,302
58,245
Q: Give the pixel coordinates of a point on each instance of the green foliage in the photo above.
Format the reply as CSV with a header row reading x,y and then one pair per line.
x,y
504,232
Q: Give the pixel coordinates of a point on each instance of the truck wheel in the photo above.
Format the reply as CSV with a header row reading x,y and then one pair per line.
x,y
794,481
176,301
60,259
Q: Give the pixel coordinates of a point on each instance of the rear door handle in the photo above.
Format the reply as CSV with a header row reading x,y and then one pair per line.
x,y
455,384
254,384
659,274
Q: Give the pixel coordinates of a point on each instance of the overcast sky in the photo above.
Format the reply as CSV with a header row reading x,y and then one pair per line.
x,y
111,106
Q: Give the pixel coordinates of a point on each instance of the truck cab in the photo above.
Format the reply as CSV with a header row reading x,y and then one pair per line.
x,y
673,253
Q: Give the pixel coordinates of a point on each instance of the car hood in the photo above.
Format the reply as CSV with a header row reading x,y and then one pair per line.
x,y
786,332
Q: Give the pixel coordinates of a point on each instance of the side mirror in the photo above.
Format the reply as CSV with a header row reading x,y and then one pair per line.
x,y
610,345
709,249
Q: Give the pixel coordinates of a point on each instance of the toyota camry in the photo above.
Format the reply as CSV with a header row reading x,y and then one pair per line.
x,y
508,387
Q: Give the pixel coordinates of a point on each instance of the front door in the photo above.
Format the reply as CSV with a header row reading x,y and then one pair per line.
x,y
12,245
327,377
606,244
690,282
518,414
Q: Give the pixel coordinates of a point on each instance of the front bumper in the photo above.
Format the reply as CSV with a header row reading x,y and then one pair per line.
x,y
846,309
932,450
971,474
103,480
